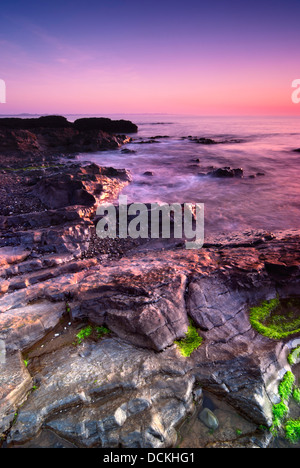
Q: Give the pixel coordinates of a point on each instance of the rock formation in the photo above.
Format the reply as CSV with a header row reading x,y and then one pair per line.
x,y
55,134
131,387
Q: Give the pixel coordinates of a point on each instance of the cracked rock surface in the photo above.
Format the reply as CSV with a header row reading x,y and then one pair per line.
x,y
132,387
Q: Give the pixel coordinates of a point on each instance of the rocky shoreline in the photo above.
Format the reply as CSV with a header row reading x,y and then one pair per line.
x,y
131,387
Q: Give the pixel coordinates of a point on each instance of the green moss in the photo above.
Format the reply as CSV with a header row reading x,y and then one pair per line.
x,y
296,395
102,331
285,387
294,356
84,333
277,318
292,430
95,332
30,168
280,410
191,341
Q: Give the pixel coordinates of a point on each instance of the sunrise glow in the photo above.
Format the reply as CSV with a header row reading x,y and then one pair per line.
x,y
130,57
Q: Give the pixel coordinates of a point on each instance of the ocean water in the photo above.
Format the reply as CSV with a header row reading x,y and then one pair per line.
x,y
258,145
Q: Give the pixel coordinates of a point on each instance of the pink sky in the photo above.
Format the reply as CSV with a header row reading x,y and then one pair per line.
x,y
175,62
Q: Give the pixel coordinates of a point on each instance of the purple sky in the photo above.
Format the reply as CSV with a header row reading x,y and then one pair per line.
x,y
192,57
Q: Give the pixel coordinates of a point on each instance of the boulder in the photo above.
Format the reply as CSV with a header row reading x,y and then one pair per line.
x,y
226,172
61,190
106,125
55,133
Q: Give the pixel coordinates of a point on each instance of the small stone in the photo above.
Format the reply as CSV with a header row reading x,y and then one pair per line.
x,y
209,419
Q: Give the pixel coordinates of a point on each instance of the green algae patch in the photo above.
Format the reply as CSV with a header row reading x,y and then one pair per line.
x,y
285,387
277,318
286,390
294,356
280,410
292,430
102,331
296,395
190,342
84,333
89,331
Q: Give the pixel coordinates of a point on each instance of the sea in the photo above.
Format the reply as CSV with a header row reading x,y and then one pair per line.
x,y
267,197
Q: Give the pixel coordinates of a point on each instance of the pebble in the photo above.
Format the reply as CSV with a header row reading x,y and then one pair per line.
x,y
209,419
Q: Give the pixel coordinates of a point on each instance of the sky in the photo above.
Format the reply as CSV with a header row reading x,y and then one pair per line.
x,y
220,57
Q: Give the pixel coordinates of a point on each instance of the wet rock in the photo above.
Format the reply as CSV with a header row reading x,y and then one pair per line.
x,y
147,142
226,172
128,151
209,419
203,141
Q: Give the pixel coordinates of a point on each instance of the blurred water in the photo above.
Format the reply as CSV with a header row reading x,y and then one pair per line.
x,y
265,145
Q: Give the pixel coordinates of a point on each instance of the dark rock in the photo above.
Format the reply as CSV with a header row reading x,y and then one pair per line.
x,y
55,133
106,125
61,190
147,142
204,141
127,151
148,173
226,172
159,136
51,121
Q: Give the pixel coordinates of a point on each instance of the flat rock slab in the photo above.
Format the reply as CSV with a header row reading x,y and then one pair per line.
x,y
21,328
15,383
146,298
106,393
11,255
